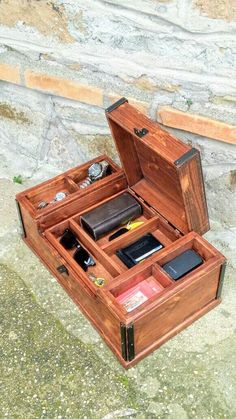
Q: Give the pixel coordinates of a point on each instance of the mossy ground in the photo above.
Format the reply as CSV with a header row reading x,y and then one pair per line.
x,y
54,364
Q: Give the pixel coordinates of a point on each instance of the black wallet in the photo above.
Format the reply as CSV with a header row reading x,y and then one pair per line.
x,y
182,264
139,250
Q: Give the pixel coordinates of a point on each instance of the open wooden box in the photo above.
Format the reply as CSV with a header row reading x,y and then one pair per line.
x,y
165,176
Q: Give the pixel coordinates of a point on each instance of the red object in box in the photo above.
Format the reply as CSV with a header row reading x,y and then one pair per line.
x,y
137,295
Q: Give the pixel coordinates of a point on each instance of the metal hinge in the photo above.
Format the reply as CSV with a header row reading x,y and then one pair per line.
x,y
141,132
21,219
221,280
127,341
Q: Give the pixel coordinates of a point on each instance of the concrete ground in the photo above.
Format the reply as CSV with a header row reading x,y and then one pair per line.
x,y
55,365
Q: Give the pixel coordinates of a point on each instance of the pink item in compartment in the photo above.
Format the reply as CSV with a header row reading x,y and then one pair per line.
x,y
138,294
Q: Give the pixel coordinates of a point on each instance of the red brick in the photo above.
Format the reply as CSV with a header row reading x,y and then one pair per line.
x,y
197,124
64,87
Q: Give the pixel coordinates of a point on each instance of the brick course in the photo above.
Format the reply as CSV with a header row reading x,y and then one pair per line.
x,y
64,87
197,124
9,73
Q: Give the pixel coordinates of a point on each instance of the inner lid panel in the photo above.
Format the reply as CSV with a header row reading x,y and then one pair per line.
x,y
162,170
152,177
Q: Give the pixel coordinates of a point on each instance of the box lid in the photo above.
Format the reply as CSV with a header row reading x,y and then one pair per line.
x,y
162,170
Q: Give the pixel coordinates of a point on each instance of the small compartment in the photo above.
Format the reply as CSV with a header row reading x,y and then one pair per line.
x,y
49,192
103,242
103,267
67,184
183,268
159,228
80,177
141,288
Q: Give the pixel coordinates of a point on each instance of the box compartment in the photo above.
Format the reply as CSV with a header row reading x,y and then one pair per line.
x,y
165,176
69,182
147,284
104,267
160,229
147,215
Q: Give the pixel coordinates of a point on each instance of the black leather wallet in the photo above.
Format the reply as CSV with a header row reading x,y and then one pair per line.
x,y
110,215
139,250
182,264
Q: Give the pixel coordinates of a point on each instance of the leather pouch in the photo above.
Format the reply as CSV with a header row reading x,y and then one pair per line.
x,y
110,215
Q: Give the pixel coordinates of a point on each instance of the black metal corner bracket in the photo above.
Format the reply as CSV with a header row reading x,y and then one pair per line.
x,y
141,132
116,105
185,157
123,341
20,218
221,280
127,341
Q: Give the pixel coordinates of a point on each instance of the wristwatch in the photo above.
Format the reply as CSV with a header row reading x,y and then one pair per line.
x,y
95,172
58,197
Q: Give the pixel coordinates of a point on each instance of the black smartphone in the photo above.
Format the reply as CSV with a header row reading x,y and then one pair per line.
x,y
183,264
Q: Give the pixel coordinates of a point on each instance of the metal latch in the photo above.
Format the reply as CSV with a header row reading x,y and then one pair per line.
x,y
62,269
141,132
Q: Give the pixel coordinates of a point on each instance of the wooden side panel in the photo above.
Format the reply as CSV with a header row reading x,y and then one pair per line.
x,y
161,186
174,311
83,202
125,146
192,184
106,322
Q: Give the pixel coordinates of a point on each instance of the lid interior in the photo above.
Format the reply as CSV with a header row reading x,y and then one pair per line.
x,y
151,164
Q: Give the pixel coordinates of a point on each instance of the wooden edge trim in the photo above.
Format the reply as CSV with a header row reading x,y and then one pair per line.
x,y
121,241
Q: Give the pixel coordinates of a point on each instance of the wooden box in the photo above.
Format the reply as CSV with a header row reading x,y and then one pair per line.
x,y
165,176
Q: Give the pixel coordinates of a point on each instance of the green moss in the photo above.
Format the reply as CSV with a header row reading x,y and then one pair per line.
x,y
18,179
124,380
189,102
9,112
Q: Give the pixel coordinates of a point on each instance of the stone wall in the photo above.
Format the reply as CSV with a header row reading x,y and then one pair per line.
x,y
62,62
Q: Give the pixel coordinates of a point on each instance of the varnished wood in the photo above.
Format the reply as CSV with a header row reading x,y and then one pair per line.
x,y
174,331
153,325
165,172
164,175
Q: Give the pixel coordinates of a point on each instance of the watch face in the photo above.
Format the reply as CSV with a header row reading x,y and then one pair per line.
x,y
42,204
95,170
59,196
